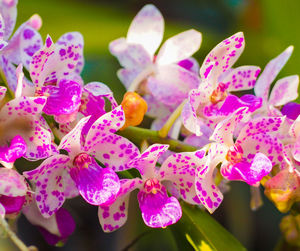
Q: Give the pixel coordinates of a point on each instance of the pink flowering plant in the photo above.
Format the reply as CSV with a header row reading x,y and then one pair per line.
x,y
76,140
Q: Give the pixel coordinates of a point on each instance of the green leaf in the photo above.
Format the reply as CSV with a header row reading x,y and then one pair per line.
x,y
197,230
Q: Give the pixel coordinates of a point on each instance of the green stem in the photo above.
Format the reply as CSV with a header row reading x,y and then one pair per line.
x,y
163,132
12,235
137,135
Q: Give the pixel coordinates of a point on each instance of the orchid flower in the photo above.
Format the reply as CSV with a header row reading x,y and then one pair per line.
x,y
295,134
210,103
158,209
79,171
169,75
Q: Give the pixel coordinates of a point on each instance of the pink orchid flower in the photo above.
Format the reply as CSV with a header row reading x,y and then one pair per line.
x,y
158,209
79,171
170,74
211,102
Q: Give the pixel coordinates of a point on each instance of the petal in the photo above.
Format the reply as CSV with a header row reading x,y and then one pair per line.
x,y
72,141
2,92
98,89
2,211
106,124
284,90
179,47
9,72
114,216
171,84
70,190
53,62
206,189
49,183
264,143
12,205
251,173
180,169
69,39
157,109
146,161
159,210
223,132
63,99
291,110
261,125
295,128
127,76
241,78
9,14
147,29
16,150
189,116
270,72
222,57
199,141
12,183
97,185
130,56
113,151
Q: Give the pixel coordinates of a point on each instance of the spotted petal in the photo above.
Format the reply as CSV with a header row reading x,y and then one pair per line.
x,y
49,184
16,150
9,14
72,141
262,86
146,162
241,78
206,189
147,29
114,216
179,47
113,151
284,91
180,170
12,183
222,57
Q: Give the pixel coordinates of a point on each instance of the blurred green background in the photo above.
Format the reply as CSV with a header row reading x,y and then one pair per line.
x,y
269,27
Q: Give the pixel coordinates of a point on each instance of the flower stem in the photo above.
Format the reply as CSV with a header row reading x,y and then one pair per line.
x,y
137,135
163,132
144,74
12,235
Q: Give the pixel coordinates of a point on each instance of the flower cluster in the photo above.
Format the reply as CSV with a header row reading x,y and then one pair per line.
x,y
78,131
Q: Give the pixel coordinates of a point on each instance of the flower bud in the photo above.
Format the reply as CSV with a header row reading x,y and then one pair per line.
x,y
283,189
134,107
290,228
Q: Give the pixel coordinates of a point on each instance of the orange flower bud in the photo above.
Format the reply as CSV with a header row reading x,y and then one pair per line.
x,y
134,107
283,189
290,228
